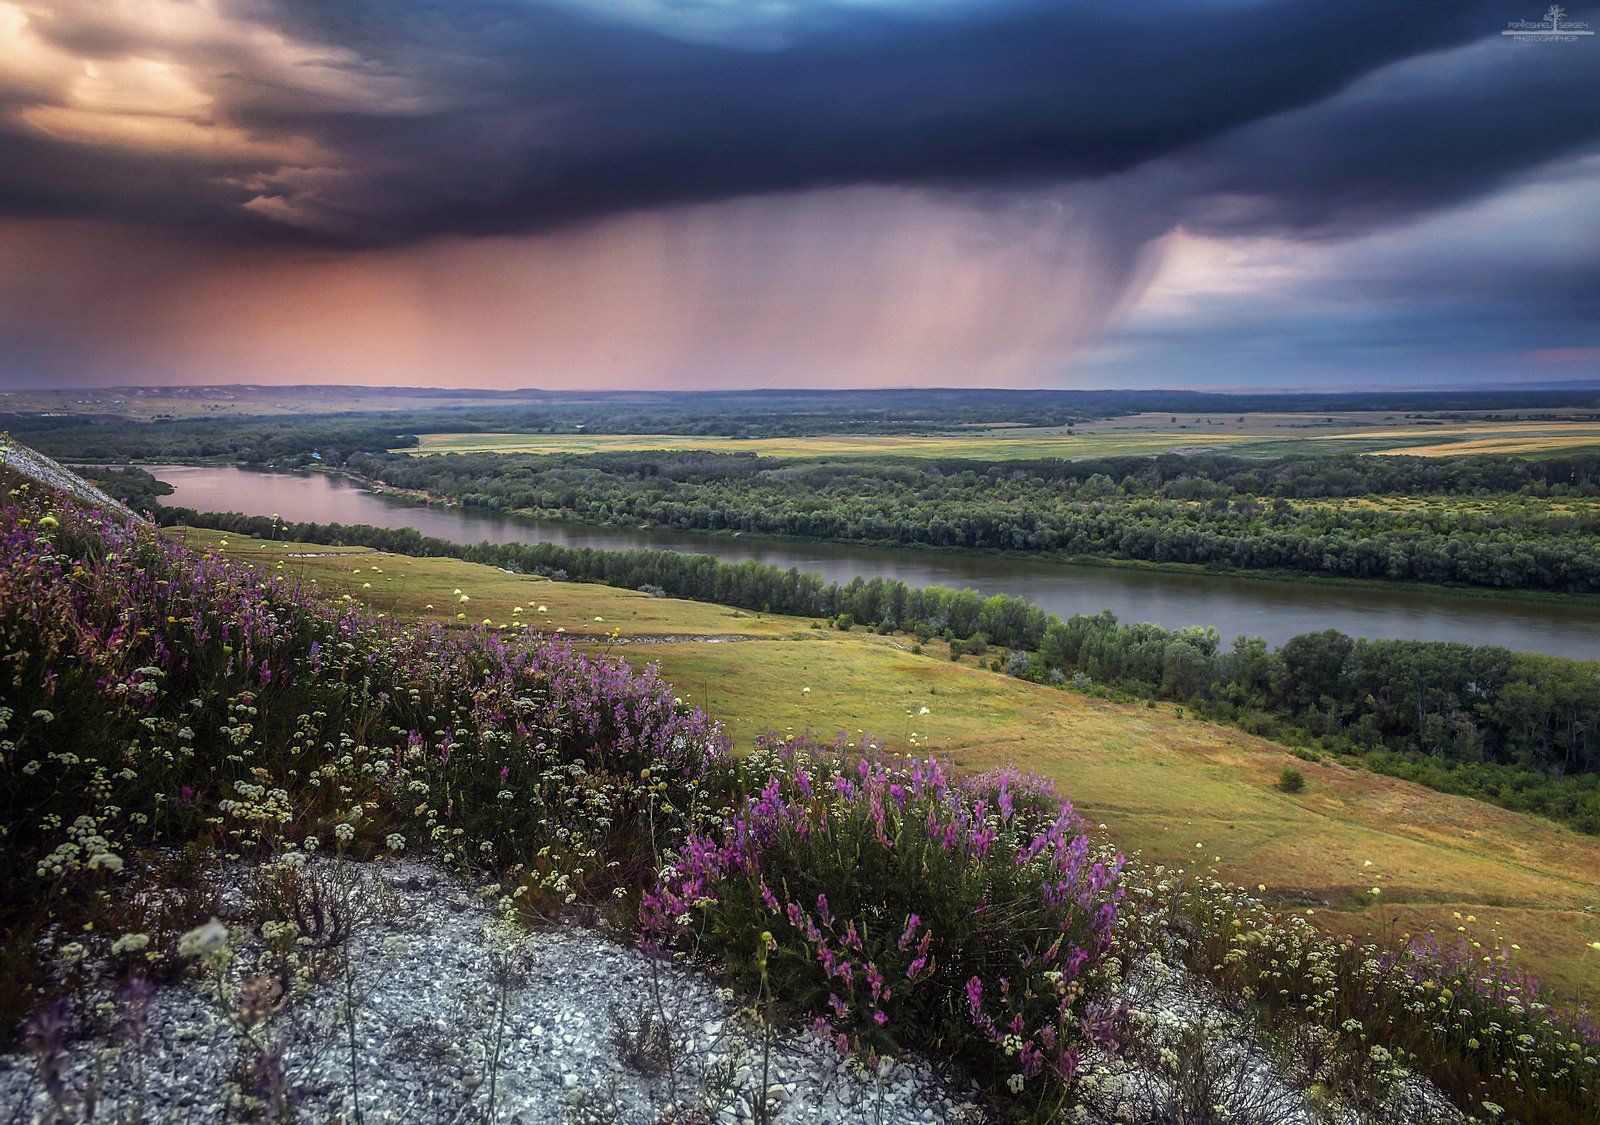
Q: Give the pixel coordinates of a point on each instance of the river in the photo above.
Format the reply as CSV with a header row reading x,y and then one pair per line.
x,y
1273,609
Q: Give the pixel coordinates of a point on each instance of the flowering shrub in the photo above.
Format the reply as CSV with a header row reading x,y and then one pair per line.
x,y
152,695
903,908
1459,1013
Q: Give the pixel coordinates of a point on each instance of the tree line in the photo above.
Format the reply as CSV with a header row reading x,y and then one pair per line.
x,y
1209,510
334,434
1519,729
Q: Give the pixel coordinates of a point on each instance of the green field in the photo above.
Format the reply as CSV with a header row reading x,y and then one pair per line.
x,y
1171,788
1253,434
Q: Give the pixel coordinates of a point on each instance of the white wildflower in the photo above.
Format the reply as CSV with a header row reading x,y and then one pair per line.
x,y
130,943
203,940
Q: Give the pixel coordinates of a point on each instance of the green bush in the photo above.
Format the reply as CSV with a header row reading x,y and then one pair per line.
x,y
1291,780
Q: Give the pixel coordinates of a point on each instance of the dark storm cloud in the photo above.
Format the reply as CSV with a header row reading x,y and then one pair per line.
x,y
1503,287
1417,138
44,178
481,118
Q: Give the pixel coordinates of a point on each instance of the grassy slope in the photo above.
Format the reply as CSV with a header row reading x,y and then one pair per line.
x,y
1160,783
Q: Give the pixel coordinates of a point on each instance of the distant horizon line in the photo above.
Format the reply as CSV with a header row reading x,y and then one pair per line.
x,y
1580,384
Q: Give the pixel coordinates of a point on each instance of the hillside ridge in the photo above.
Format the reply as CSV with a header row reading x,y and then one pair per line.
x,y
34,465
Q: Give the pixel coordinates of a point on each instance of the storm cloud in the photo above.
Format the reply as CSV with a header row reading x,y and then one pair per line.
x,y
293,133
375,122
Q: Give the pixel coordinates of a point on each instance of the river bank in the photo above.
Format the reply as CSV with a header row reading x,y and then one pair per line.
x,y
1270,607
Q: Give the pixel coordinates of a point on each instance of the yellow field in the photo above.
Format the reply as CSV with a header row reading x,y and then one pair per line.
x,y
1140,434
994,444
1545,440
1459,507
1172,788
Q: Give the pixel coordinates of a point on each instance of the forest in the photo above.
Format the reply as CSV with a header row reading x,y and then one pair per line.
x,y
1514,728
292,439
1209,510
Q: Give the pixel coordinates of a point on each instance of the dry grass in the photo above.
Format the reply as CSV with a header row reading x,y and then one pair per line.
x,y
1161,783
403,585
1533,507
1553,440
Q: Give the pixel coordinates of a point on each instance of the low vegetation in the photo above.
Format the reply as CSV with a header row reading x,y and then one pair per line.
x,y
1157,775
1514,728
1359,1015
161,699
167,706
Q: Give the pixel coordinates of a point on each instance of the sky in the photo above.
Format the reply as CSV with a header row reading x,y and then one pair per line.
x,y
694,194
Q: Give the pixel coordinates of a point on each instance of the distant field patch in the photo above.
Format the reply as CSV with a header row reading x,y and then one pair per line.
x,y
1534,439
1009,444
1250,434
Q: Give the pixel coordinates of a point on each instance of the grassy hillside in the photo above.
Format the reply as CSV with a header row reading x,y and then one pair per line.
x,y
170,709
166,709
1162,783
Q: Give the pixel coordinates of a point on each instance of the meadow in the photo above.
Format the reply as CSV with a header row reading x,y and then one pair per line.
x,y
175,708
1168,787
1246,434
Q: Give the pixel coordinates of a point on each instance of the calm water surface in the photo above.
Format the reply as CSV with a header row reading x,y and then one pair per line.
x,y
1275,610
